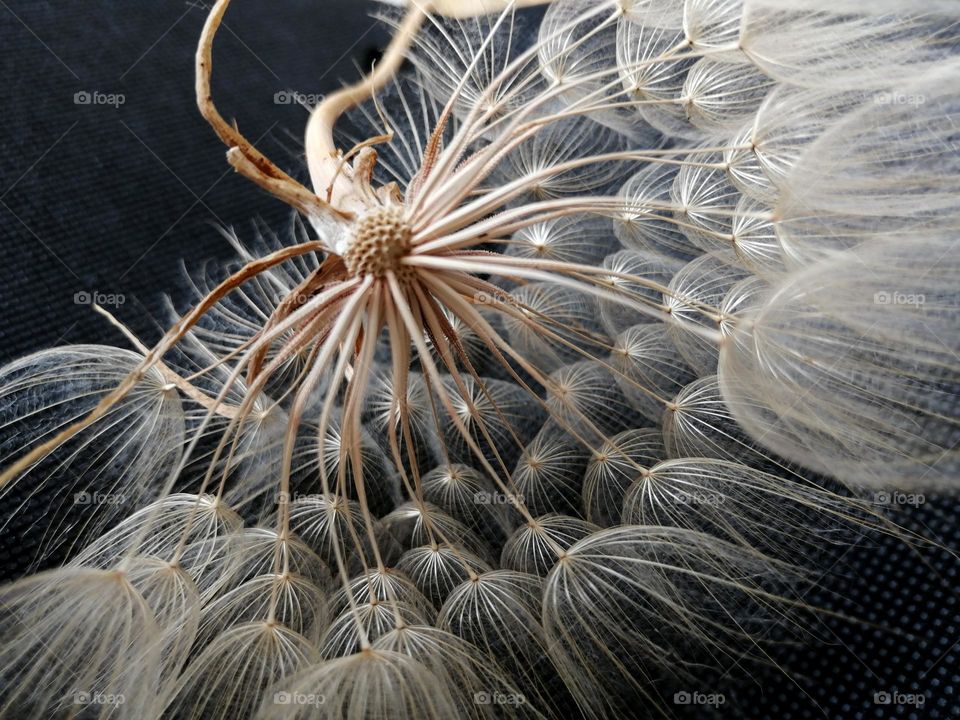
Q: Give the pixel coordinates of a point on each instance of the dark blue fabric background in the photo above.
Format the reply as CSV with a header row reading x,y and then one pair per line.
x,y
111,200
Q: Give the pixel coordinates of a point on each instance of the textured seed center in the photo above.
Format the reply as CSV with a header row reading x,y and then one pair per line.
x,y
380,239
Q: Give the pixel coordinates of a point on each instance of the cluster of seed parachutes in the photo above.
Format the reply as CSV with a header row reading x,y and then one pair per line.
x,y
775,181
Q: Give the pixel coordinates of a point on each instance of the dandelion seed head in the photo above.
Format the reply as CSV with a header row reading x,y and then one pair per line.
x,y
380,239
529,398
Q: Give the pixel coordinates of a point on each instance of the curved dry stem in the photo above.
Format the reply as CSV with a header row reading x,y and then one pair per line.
x,y
323,156
242,155
173,336
185,386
